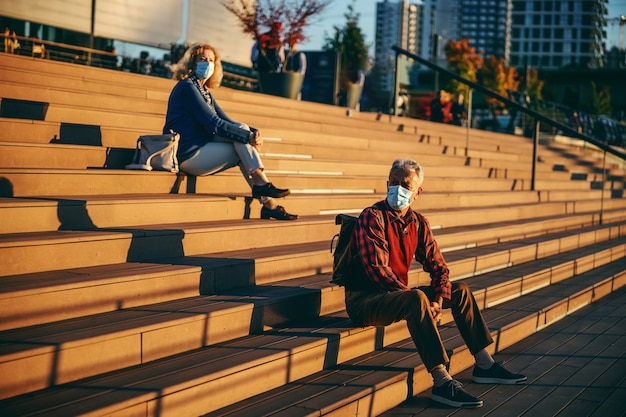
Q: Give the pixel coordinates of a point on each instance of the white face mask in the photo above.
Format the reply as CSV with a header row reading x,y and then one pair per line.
x,y
204,69
398,197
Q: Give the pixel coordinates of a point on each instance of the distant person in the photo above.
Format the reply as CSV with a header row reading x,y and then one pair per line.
x,y
8,43
387,237
15,43
38,50
436,108
575,122
268,52
296,60
458,111
210,141
110,60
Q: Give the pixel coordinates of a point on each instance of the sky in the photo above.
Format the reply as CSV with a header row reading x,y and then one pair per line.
x,y
322,26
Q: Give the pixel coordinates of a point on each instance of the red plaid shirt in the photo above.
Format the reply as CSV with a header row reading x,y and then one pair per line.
x,y
387,243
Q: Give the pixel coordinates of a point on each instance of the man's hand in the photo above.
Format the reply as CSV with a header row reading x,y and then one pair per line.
x,y
435,310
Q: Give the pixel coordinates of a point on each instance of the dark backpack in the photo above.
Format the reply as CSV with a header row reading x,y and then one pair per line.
x,y
341,255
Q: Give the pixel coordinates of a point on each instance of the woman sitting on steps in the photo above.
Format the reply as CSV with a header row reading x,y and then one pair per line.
x,y
211,142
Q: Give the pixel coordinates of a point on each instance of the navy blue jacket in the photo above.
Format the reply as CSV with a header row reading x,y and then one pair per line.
x,y
197,122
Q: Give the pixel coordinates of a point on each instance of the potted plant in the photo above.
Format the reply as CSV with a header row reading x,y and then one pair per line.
x,y
350,43
274,25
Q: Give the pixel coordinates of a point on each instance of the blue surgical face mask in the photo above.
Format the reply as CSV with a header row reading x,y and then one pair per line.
x,y
204,69
398,197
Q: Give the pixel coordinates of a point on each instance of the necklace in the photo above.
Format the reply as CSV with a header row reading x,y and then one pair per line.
x,y
205,93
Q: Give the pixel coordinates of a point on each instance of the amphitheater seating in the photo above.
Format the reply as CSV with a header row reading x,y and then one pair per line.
x,y
138,293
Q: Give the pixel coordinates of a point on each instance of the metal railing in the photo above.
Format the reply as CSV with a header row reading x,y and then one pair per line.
x,y
534,115
235,76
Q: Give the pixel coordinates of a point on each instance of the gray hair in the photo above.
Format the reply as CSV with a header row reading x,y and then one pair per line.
x,y
410,164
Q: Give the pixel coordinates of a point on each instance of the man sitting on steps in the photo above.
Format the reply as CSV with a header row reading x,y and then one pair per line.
x,y
386,238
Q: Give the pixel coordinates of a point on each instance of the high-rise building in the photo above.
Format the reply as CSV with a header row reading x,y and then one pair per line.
x,y
487,24
397,23
546,34
440,24
551,34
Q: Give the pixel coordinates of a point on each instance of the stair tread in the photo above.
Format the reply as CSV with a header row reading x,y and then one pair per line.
x,y
48,338
357,377
199,367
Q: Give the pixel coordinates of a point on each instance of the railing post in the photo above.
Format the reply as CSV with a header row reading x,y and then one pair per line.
x,y
91,33
469,120
396,85
535,146
602,186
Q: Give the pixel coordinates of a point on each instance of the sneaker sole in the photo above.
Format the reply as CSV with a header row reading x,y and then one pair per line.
x,y
456,404
484,380
281,195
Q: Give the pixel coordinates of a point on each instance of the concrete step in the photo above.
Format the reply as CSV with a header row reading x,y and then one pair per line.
x,y
376,382
288,354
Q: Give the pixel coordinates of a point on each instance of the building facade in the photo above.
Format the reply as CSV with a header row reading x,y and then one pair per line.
x,y
397,23
487,24
551,34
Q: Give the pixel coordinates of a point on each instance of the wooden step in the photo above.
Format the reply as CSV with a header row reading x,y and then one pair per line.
x,y
54,156
38,251
24,215
35,298
374,383
140,332
27,182
221,366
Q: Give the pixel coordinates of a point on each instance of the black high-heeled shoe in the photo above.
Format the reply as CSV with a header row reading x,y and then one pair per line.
x,y
279,213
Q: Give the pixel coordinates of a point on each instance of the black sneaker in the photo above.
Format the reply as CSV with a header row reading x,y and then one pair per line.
x,y
454,395
268,190
497,374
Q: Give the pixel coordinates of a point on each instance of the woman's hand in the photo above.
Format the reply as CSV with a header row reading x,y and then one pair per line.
x,y
257,140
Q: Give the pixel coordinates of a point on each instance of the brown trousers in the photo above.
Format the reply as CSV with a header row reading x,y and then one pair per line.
x,y
381,309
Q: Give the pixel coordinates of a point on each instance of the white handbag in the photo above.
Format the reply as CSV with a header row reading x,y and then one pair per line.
x,y
156,152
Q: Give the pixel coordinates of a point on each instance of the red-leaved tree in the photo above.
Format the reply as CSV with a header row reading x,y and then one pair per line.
x,y
259,17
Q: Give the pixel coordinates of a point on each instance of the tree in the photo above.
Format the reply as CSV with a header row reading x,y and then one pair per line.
x,y
601,100
350,43
534,85
499,78
464,61
292,16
